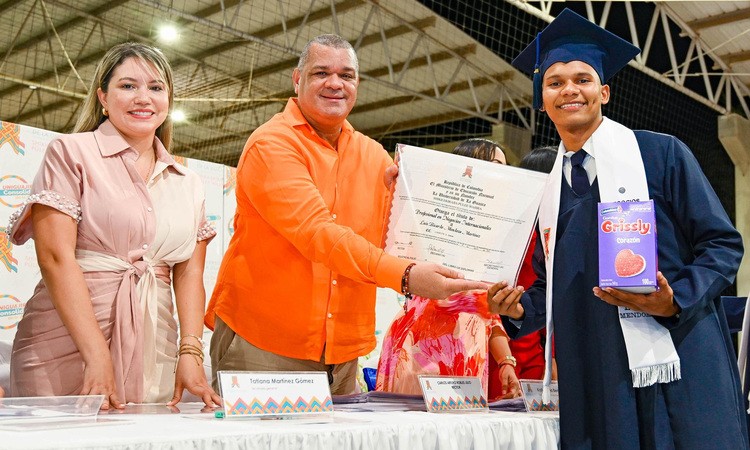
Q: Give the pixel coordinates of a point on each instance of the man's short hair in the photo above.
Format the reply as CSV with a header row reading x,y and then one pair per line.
x,y
328,40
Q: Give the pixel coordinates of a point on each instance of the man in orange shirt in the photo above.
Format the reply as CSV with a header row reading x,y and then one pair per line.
x,y
296,288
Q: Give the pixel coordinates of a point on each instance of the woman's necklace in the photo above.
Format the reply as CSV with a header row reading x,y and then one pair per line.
x,y
151,169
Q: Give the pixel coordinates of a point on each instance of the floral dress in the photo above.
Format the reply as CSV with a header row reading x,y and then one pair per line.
x,y
436,337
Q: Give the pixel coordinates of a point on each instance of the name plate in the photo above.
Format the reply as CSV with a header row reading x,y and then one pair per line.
x,y
446,394
257,394
532,396
467,214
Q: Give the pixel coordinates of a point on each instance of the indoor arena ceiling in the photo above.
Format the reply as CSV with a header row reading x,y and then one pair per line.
x,y
696,40
233,61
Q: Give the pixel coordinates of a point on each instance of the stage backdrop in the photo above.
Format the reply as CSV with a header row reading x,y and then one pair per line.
x,y
21,152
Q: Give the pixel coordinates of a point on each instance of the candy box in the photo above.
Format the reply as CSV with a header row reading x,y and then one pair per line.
x,y
627,246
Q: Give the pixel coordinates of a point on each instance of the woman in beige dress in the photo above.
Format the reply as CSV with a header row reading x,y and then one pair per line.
x,y
117,224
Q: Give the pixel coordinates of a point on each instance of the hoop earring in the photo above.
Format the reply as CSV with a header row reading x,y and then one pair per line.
x,y
105,112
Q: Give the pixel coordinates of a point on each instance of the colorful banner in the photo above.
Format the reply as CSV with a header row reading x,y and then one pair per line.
x,y
21,152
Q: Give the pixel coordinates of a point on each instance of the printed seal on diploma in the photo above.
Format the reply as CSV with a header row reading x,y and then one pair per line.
x,y
467,214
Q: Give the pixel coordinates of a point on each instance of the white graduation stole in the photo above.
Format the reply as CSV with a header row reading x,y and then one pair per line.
x,y
652,356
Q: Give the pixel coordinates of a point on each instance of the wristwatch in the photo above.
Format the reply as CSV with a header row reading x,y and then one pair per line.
x,y
509,359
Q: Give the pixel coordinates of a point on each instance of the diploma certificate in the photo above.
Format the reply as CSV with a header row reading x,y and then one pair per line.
x,y
471,215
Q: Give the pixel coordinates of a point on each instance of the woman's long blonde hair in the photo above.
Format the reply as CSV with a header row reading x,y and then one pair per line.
x,y
92,115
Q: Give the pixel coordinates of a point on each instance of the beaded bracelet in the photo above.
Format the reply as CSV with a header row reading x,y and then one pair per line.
x,y
192,336
405,281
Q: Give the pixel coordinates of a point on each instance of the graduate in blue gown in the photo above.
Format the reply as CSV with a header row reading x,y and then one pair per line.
x,y
699,252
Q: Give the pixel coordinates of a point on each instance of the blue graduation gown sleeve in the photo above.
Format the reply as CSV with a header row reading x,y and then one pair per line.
x,y
699,246
533,300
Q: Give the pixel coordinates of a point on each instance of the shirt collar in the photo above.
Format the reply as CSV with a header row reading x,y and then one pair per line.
x,y
588,146
111,142
294,116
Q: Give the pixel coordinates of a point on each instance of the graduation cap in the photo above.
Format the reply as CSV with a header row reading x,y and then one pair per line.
x,y
571,37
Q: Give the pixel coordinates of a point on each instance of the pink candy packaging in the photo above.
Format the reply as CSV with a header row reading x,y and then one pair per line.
x,y
627,246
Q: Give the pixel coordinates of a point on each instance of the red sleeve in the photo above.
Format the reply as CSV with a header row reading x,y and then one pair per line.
x,y
527,275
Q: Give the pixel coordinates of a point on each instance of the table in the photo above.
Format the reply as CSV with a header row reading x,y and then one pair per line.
x,y
412,430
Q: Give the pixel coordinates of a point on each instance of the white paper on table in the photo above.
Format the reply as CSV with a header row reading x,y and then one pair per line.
x,y
467,214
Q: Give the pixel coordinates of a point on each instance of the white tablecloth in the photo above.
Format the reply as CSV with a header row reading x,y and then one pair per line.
x,y
412,430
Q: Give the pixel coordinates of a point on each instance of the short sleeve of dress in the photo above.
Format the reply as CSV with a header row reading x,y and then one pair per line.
x,y
496,325
206,230
193,186
57,184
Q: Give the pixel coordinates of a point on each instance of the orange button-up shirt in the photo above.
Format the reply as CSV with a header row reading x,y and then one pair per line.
x,y
302,267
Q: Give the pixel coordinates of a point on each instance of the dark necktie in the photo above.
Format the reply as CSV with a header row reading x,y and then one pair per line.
x,y
579,180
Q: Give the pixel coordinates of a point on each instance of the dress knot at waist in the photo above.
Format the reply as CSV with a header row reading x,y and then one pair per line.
x,y
92,261
135,313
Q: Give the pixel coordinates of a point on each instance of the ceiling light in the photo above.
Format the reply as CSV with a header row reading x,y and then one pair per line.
x,y
168,33
178,115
